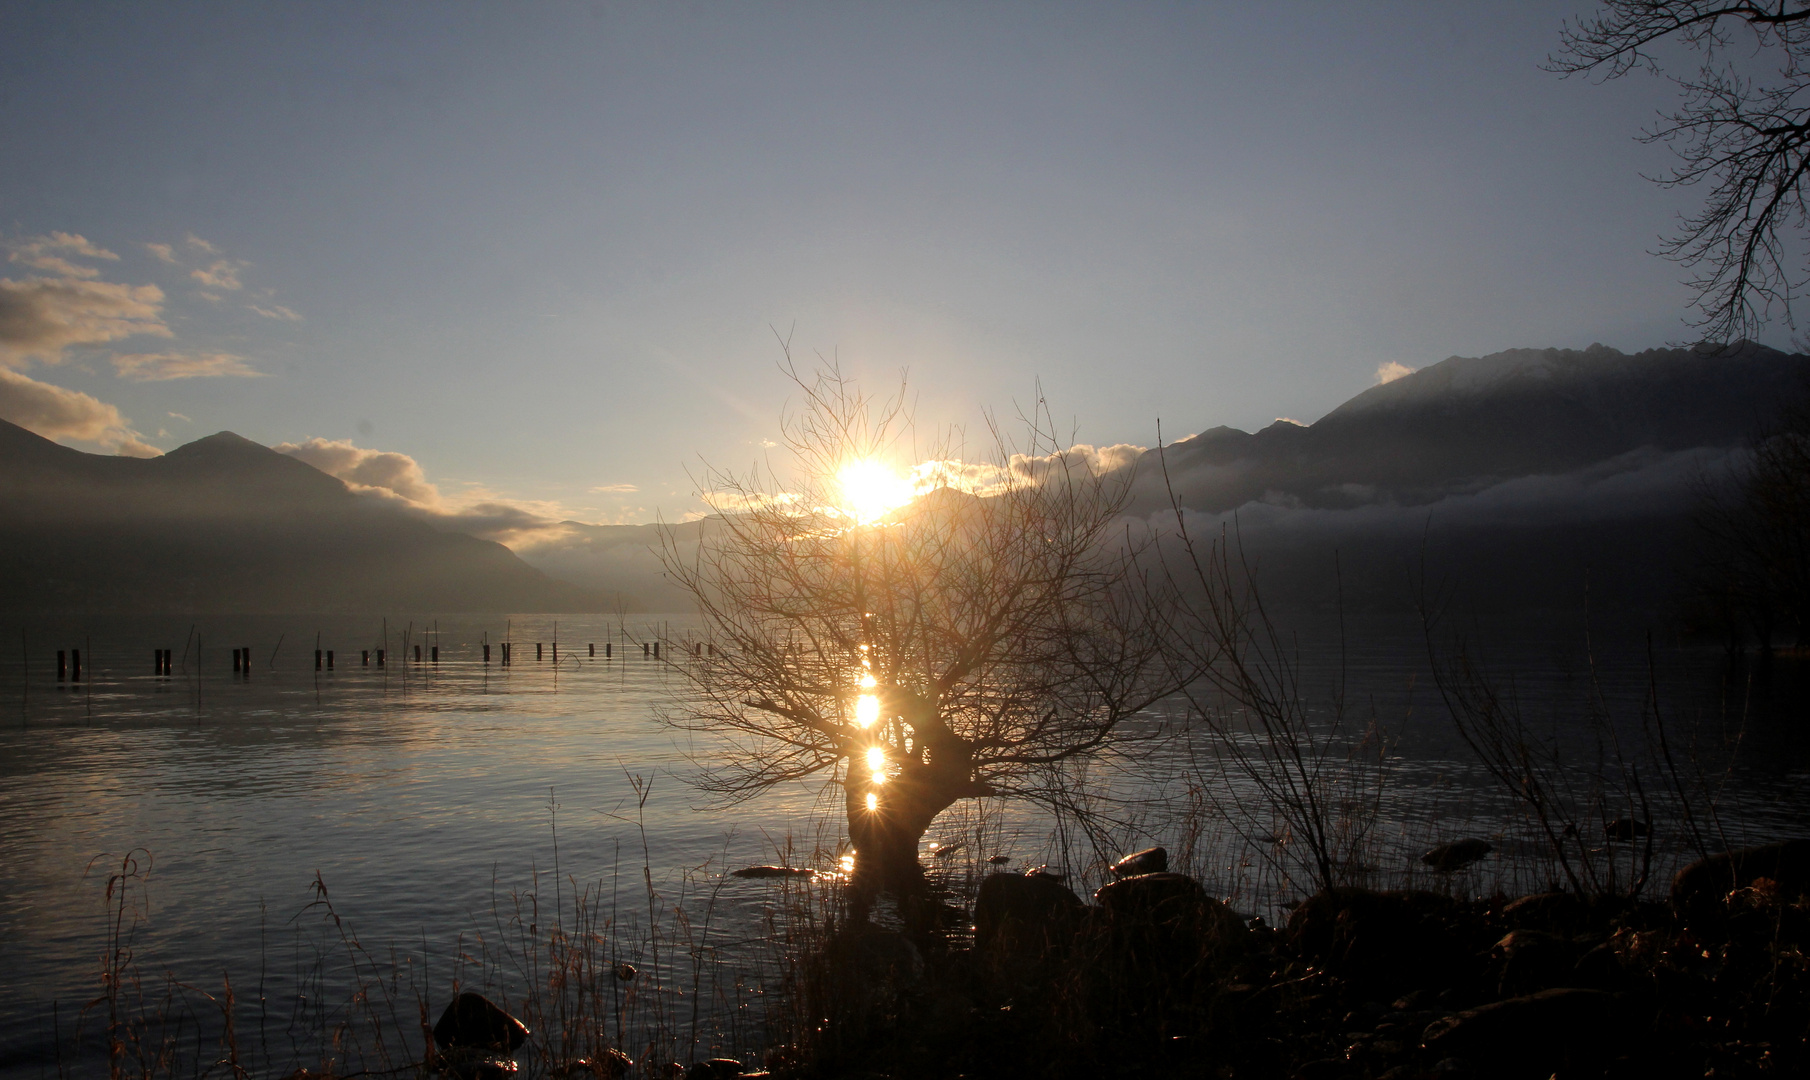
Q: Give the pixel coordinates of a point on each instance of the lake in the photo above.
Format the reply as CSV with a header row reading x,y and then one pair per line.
x,y
426,795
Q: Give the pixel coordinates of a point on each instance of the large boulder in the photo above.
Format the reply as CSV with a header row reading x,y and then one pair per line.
x,y
1402,939
1173,901
1532,960
1700,889
1556,912
1534,1035
1031,911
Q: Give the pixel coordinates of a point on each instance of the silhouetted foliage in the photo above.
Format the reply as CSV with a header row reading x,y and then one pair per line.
x,y
1743,128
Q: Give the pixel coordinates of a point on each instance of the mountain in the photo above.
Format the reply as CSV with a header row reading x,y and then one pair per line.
x,y
1528,479
224,524
1467,423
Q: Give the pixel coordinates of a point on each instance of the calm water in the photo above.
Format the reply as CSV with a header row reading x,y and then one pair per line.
x,y
419,793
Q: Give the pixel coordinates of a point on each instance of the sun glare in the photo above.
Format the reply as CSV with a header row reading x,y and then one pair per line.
x,y
873,801
870,490
876,763
867,710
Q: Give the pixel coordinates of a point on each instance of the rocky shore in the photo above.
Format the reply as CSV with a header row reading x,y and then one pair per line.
x,y
1156,978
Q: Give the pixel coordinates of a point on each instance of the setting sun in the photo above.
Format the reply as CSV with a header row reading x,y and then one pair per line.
x,y
871,489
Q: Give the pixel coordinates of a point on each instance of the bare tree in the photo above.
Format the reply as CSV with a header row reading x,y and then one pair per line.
x,y
1743,128
968,643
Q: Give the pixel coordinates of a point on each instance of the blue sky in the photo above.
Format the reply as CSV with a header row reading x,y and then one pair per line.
x,y
541,250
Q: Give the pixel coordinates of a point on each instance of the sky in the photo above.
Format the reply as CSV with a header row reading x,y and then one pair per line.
x,y
544,256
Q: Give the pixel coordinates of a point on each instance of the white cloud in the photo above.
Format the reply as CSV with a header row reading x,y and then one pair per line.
x,y
398,474
179,416
162,367
1391,371
614,489
399,479
276,311
40,317
56,412
220,274
48,253
164,252
200,245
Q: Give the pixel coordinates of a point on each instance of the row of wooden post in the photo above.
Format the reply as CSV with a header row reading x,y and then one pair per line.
x,y
69,662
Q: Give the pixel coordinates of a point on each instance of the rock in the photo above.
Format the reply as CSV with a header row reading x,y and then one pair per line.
x,y
472,1022
1534,960
1601,968
1148,861
612,1065
1536,1034
625,972
1023,908
1456,855
1555,911
1326,1069
772,871
1045,871
998,860
1385,941
943,851
715,1069
467,1063
1624,829
1166,898
1698,891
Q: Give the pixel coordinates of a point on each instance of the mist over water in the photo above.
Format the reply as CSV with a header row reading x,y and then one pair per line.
x,y
424,794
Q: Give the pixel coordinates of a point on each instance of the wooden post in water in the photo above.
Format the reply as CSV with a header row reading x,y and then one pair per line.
x,y
365,656
487,653
320,659
417,654
436,654
606,650
329,659
537,654
380,656
75,665
656,650
235,661
62,666
593,650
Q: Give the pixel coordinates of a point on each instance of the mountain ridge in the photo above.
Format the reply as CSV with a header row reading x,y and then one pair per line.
x,y
226,524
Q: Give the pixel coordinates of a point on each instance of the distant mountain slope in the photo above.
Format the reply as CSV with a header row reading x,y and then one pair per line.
x,y
1466,423
224,524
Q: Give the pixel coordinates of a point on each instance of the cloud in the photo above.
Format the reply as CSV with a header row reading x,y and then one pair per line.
x,y
382,470
220,274
47,253
398,479
56,412
164,252
40,317
200,245
1638,483
1391,371
276,311
614,489
179,416
162,367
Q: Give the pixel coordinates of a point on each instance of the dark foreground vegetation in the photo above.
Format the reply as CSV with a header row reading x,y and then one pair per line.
x,y
1157,978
